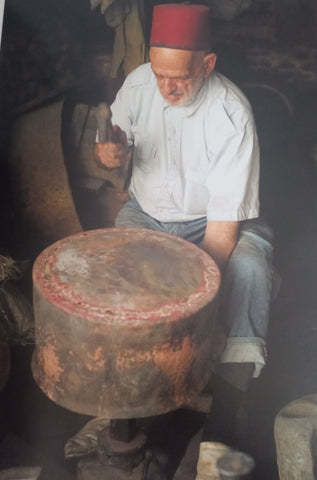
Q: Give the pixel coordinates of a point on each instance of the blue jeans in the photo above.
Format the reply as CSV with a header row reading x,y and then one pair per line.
x,y
248,283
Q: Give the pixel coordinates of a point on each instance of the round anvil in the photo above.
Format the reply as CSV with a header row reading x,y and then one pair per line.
x,y
124,319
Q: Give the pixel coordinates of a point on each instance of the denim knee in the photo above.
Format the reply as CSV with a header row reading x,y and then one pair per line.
x,y
251,258
132,216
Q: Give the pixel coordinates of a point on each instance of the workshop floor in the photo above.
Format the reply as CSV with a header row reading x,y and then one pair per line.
x,y
33,430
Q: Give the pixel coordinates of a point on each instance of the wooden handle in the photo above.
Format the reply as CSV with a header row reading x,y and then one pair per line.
x,y
105,130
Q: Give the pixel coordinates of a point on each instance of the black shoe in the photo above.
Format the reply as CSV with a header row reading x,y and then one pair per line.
x,y
228,421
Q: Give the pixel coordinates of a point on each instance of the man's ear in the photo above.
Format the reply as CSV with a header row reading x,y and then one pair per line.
x,y
209,63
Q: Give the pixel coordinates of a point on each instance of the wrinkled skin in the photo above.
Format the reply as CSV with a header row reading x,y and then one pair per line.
x,y
180,74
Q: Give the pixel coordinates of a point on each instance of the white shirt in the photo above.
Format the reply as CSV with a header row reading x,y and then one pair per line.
x,y
191,161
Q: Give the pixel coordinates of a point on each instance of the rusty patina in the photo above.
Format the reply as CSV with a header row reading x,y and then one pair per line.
x,y
123,321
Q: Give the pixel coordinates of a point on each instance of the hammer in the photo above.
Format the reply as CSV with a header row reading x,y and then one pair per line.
x,y
105,129
103,116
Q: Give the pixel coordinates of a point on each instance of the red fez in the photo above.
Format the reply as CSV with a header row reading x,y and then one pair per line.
x,y
181,25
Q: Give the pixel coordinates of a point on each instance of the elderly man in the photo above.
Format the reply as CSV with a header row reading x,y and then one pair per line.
x,y
195,174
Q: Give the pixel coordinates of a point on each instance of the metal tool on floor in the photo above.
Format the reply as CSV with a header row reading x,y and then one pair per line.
x,y
121,317
235,466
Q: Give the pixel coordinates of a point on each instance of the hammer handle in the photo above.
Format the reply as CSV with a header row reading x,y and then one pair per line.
x,y
105,130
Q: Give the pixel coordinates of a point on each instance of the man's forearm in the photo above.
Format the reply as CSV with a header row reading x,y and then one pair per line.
x,y
220,240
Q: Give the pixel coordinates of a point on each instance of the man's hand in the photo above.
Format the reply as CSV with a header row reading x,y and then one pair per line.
x,y
220,239
114,154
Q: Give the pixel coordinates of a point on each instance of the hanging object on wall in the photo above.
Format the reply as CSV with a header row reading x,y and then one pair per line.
x,y
127,19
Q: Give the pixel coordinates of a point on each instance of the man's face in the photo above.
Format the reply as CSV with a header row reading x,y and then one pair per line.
x,y
179,74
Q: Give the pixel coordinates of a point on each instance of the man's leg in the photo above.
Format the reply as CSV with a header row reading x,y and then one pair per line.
x,y
248,285
246,293
132,215
247,289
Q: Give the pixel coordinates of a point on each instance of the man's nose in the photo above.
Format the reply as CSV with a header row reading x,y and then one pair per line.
x,y
169,84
